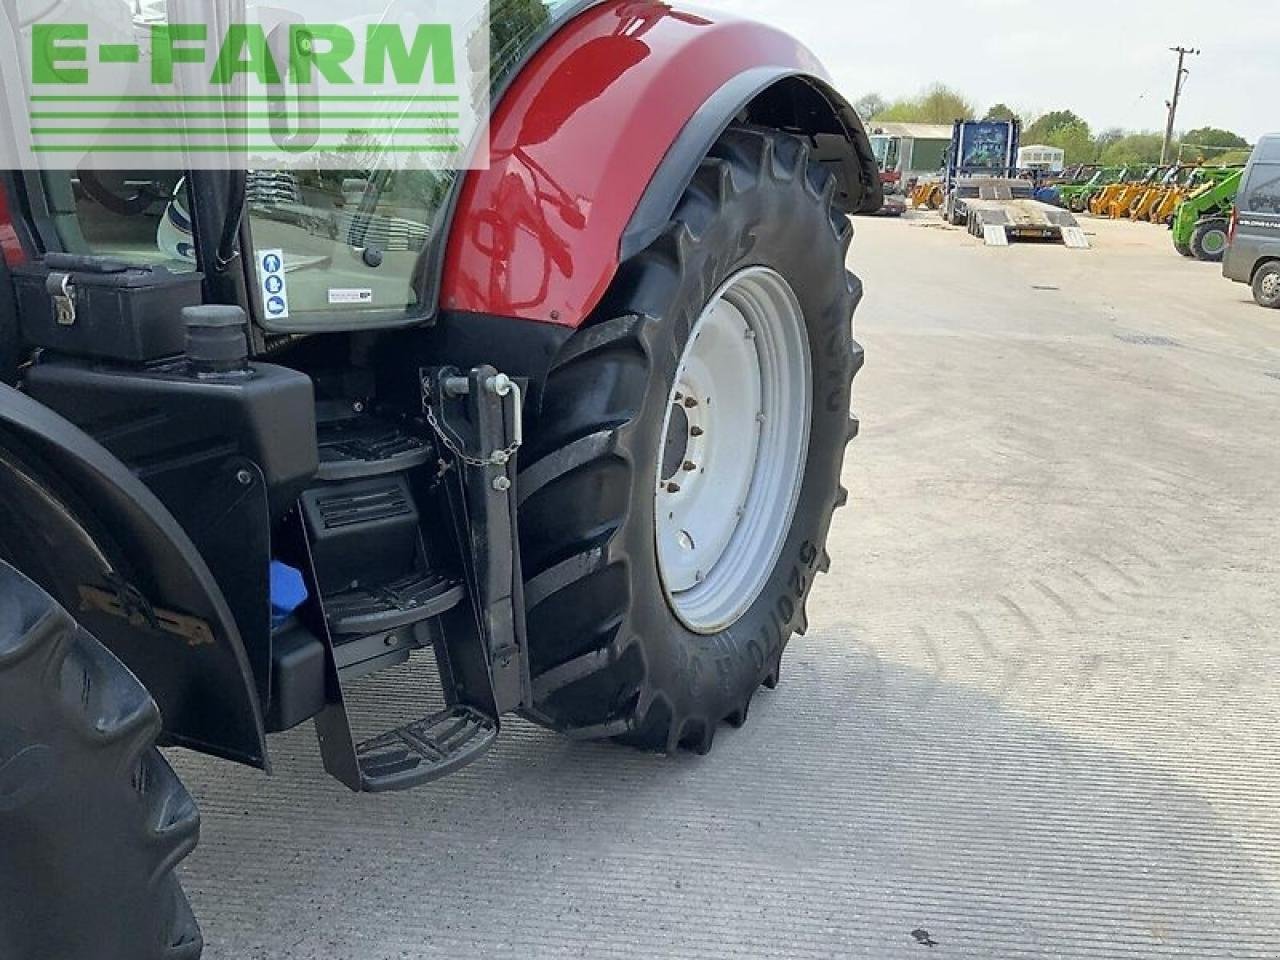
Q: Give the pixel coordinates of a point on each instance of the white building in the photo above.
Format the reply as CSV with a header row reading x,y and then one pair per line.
x,y
910,149
1040,157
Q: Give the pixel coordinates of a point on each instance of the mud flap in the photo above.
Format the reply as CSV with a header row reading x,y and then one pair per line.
x,y
130,574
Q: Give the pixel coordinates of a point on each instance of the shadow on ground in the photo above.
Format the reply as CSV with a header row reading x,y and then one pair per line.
x,y
860,804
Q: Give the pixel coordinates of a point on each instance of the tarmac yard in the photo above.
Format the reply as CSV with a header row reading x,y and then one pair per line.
x,y
1035,714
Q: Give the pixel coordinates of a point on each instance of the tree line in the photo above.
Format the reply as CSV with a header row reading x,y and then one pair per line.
x,y
1060,128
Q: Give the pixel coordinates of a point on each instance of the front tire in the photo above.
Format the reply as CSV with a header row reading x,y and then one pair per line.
x,y
622,642
1209,240
93,821
1266,286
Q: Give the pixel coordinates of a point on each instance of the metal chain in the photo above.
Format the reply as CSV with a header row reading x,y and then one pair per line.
x,y
499,458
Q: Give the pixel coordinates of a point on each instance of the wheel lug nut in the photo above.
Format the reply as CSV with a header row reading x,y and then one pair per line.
x,y
673,488
690,403
696,431
689,466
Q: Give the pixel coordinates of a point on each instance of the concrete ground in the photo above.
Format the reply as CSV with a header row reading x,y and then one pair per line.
x,y
1035,715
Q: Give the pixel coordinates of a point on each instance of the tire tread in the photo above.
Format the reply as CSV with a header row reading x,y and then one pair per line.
x,y
602,686
109,713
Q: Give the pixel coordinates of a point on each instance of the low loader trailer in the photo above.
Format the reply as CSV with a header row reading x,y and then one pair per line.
x,y
984,195
999,211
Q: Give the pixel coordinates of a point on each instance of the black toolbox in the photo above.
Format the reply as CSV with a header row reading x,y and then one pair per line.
x,y
102,307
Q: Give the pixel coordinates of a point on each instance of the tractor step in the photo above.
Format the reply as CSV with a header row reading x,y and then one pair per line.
x,y
358,447
363,533
377,583
425,750
393,575
408,600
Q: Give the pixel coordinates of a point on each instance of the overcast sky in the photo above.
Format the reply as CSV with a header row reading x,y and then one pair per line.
x,y
1107,60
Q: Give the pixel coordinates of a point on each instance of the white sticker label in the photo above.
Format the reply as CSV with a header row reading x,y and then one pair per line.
x,y
275,287
350,295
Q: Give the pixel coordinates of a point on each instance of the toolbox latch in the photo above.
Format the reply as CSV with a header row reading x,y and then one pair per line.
x,y
62,290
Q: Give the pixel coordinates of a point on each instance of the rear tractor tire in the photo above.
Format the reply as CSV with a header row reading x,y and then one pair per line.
x,y
1266,285
93,821
678,495
1209,240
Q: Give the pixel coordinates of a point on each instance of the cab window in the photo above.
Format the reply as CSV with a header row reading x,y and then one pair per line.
x,y
140,217
1262,193
354,243
351,241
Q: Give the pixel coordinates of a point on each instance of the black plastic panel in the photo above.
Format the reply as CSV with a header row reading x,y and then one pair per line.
x,y
170,427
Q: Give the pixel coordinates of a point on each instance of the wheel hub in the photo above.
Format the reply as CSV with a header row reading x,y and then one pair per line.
x,y
676,447
733,450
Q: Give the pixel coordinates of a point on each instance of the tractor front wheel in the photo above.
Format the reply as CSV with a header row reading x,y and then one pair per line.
x,y
686,461
93,821
1209,240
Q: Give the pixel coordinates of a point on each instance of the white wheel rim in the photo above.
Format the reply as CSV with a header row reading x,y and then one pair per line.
x,y
734,443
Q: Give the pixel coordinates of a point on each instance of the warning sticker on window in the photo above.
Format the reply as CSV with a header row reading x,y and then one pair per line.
x,y
344,295
275,288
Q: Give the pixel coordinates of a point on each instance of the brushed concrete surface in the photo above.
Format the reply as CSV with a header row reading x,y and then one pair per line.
x,y
1035,715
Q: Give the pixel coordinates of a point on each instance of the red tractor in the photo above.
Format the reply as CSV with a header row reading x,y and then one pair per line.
x,y
575,423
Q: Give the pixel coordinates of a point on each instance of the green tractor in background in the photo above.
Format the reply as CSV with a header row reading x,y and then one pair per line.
x,y
1076,196
1202,224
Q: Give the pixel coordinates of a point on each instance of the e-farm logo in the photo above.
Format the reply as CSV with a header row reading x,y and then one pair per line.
x,y
269,89
325,49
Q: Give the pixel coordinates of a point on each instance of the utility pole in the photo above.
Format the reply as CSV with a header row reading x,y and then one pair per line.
x,y
1178,80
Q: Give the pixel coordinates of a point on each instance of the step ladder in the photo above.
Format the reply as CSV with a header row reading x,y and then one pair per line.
x,y
393,575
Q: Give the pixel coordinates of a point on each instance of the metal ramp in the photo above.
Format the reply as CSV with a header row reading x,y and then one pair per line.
x,y
994,235
1075,238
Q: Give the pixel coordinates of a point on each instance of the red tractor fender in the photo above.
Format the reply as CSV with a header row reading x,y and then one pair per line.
x,y
601,132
